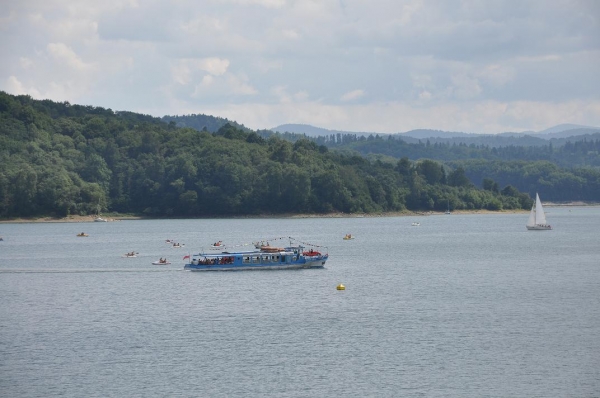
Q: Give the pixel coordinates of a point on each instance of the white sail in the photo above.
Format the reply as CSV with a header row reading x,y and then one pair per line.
x,y
540,217
531,221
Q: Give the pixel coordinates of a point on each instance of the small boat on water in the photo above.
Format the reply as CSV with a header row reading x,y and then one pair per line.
x,y
130,255
82,235
161,262
537,217
266,257
348,237
416,224
98,217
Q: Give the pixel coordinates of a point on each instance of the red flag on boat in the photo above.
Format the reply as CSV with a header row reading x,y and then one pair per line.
x,y
188,256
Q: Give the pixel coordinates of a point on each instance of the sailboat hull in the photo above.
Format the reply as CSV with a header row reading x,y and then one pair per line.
x,y
539,227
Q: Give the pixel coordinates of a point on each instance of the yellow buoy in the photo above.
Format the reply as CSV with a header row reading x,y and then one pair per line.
x,y
341,287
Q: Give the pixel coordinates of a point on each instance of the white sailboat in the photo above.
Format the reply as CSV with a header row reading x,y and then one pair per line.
x,y
98,218
448,211
537,218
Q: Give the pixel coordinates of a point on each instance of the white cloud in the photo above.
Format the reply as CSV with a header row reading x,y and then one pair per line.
x,y
180,73
540,58
473,65
265,65
425,95
25,62
301,96
66,56
240,85
205,84
225,86
14,86
263,3
422,81
352,95
184,70
215,66
290,34
281,93
497,75
465,87
207,80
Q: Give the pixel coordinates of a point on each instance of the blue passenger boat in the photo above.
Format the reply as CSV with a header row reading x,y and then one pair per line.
x,y
263,257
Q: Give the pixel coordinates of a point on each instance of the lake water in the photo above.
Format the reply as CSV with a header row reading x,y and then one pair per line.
x,y
460,306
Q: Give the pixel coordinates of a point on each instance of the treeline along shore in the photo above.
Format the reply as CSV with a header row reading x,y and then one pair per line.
x,y
61,160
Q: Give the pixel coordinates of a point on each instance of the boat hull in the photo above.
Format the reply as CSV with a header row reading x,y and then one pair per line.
x,y
538,227
238,264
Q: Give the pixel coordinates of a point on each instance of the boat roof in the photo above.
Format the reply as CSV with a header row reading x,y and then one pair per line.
x,y
243,253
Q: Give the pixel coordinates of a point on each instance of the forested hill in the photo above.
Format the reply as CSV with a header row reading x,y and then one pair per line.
x,y
567,173
202,122
570,154
60,159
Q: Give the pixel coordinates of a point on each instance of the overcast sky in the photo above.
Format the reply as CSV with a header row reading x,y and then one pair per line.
x,y
480,66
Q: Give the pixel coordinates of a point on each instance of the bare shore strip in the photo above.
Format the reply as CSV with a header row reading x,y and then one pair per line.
x,y
83,219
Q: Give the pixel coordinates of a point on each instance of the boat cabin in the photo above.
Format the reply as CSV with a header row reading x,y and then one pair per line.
x,y
250,258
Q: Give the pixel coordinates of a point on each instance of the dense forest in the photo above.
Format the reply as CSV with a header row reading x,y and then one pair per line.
x,y
58,159
202,122
565,173
560,169
570,154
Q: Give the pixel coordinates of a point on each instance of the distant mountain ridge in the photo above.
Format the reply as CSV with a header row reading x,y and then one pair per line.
x,y
564,127
557,135
527,138
312,131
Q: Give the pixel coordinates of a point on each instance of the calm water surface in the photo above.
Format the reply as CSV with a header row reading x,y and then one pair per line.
x,y
461,306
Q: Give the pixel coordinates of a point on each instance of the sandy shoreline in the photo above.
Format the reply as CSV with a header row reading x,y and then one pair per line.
x,y
84,219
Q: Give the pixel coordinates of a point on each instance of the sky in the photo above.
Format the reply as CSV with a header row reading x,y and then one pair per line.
x,y
386,66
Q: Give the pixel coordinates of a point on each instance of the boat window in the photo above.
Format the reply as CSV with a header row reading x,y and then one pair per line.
x,y
266,259
256,259
276,258
294,258
246,259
